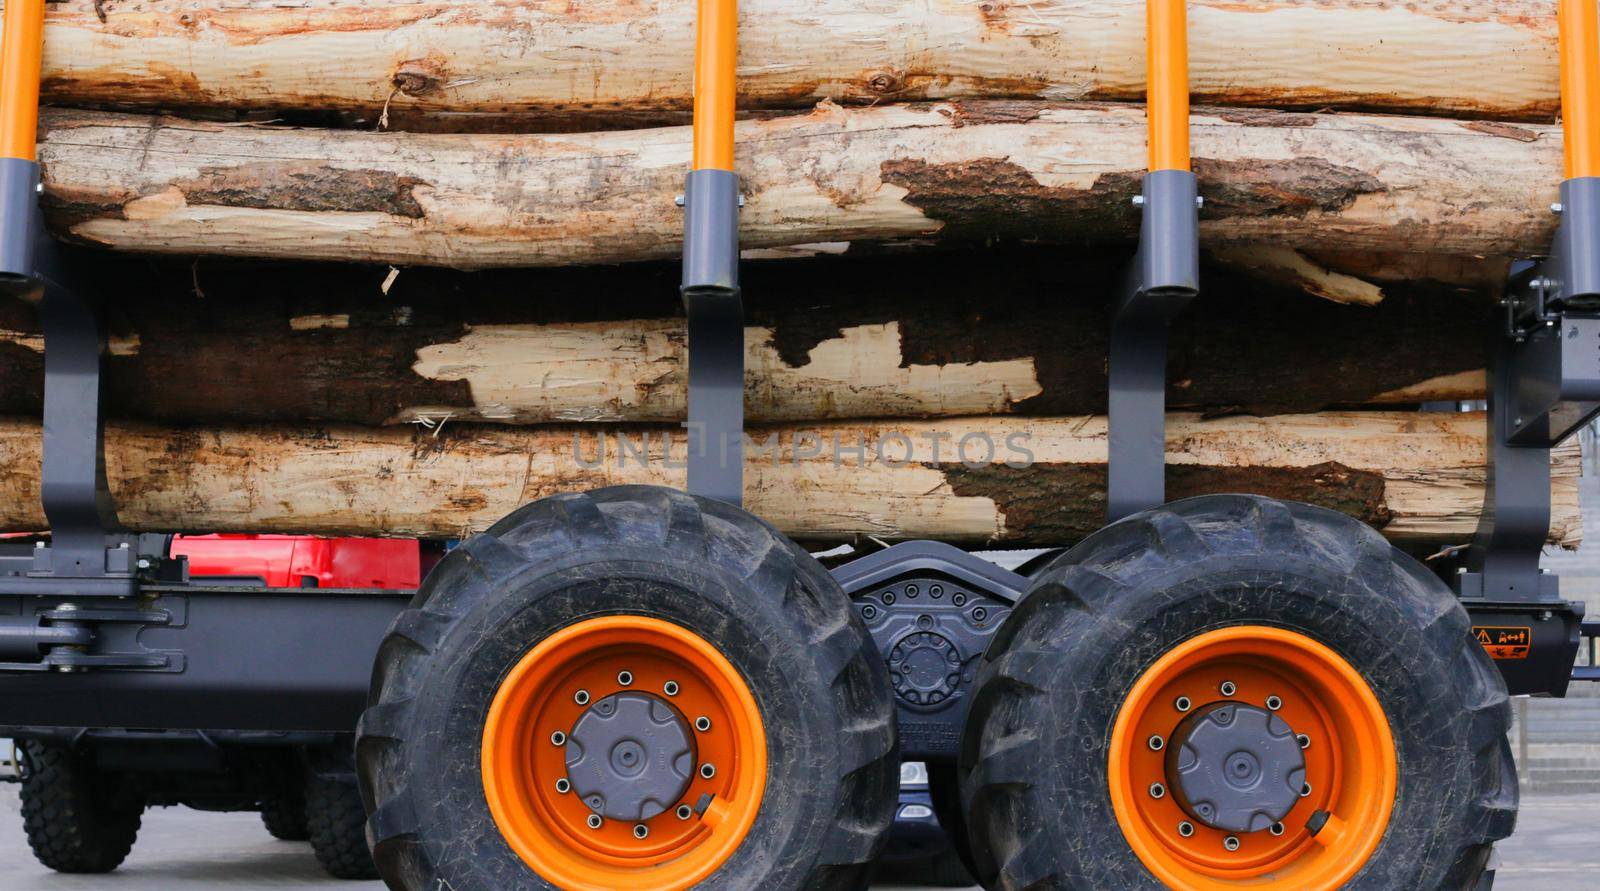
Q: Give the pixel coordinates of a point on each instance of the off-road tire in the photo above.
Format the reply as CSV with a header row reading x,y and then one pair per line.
x,y
67,813
769,607
285,817
1034,758
336,826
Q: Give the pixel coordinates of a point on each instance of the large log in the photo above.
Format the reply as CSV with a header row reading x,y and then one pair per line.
x,y
897,336
632,60
1416,476
957,172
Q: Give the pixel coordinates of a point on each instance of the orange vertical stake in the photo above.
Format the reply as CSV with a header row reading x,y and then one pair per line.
x,y
21,50
716,60
1579,26
1167,83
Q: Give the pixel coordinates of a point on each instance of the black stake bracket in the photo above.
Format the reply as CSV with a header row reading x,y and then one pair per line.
x,y
1544,385
1163,278
84,556
715,308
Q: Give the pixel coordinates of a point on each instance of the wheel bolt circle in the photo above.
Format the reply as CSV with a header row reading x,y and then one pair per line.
x,y
708,770
1182,704
670,688
1186,829
625,678
702,723
685,812
563,785
1274,703
1276,829
558,738
594,821
581,697
1304,740
1228,688
1156,743
1157,790
1305,790
640,830
1231,843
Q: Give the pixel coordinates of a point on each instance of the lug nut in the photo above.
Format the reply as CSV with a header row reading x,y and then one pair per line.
x,y
1305,790
702,723
558,738
625,678
594,821
1276,829
563,786
581,697
1228,689
1157,790
1274,703
1182,704
685,812
1231,843
708,770
670,688
1156,742
1186,829
1303,740
640,830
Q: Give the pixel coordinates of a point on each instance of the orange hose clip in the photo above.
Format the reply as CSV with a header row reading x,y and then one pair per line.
x,y
716,59
1167,83
1579,27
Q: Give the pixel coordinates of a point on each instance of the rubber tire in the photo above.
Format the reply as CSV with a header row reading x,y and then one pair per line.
x,y
1034,756
285,817
70,825
336,826
773,611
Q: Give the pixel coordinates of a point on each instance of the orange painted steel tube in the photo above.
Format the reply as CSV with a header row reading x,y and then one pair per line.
x,y
1579,23
20,52
716,57
1167,83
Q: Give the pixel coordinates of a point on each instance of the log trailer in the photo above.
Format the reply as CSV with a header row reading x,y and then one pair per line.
x,y
647,688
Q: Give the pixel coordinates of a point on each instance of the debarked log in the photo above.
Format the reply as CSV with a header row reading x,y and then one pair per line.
x,y
956,173
553,62
914,335
1416,476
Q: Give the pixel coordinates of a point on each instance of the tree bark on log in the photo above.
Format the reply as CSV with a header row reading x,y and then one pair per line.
x,y
632,61
1416,476
921,335
952,172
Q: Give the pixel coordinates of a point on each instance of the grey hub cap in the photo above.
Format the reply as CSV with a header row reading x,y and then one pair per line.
x,y
1235,767
630,756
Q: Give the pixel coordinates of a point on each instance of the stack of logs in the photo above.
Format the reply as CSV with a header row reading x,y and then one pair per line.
x,y
398,266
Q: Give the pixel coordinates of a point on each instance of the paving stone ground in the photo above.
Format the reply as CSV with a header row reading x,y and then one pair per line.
x,y
1556,848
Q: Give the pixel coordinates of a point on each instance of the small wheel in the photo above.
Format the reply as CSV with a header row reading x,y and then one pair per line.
x,y
285,816
72,814
522,732
1277,625
335,821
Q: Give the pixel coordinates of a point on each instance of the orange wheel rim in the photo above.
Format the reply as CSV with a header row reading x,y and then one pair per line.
x,y
538,810
1348,759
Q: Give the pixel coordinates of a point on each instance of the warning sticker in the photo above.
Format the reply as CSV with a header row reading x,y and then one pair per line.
x,y
1504,642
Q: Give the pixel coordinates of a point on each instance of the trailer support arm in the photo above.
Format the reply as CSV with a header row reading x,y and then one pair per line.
x,y
710,288
1163,278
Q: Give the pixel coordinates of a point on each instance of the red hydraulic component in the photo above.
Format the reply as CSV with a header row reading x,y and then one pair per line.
x,y
304,561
